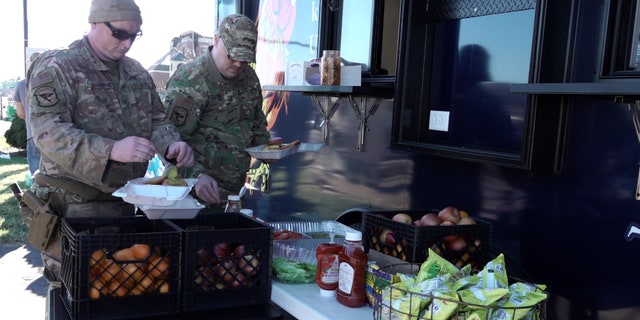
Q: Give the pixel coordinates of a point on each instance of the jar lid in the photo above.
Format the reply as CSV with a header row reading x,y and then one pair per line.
x,y
247,212
353,236
327,293
233,197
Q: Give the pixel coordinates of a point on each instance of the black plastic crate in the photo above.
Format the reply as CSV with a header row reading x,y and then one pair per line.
x,y
215,273
103,279
412,243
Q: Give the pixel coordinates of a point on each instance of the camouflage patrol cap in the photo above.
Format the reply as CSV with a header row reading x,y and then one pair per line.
x,y
114,10
240,36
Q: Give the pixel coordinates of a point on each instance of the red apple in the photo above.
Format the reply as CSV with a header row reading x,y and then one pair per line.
x,y
221,250
388,237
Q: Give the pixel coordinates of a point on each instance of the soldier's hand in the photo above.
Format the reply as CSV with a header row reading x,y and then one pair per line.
x,y
132,149
182,153
207,189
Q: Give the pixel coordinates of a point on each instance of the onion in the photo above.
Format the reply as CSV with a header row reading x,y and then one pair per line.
x,y
450,214
402,218
430,219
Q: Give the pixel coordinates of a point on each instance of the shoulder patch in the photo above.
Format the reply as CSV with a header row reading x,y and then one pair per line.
x,y
46,96
40,79
182,102
179,116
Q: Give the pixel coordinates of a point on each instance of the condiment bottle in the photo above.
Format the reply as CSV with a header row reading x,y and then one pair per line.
x,y
330,68
353,271
233,203
328,268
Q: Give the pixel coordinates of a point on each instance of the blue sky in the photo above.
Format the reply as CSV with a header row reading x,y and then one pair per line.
x,y
54,24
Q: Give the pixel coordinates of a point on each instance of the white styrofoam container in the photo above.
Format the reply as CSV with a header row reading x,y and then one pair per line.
x,y
142,200
186,208
137,187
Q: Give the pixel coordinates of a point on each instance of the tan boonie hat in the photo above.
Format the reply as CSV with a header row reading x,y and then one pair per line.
x,y
114,10
240,36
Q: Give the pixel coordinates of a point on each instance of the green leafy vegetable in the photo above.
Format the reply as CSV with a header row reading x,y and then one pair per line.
x,y
293,272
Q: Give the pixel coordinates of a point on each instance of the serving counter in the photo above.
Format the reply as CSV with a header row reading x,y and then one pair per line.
x,y
304,301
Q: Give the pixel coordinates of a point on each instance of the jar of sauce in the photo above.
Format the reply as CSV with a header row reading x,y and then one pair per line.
x,y
353,271
330,68
328,268
234,204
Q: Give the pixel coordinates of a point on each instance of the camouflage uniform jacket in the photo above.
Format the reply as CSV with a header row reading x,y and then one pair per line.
x,y
218,117
80,108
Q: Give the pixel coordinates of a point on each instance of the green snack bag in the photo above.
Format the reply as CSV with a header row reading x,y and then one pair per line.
x,y
409,306
482,296
518,305
443,305
434,266
494,274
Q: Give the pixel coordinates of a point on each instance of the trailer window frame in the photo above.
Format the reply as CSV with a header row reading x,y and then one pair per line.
x,y
621,57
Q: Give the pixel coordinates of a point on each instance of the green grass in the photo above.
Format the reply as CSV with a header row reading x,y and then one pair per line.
x,y
12,230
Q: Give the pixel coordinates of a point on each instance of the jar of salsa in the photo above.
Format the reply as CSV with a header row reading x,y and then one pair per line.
x,y
353,271
328,266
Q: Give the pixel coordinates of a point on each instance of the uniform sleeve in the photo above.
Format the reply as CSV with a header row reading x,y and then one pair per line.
x,y
51,102
184,103
259,125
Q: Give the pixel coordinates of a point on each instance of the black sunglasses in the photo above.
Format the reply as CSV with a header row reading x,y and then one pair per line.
x,y
121,34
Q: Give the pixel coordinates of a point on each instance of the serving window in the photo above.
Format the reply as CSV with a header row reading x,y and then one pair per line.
x,y
459,59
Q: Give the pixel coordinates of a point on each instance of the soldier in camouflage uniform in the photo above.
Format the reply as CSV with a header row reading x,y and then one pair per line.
x,y
97,120
216,103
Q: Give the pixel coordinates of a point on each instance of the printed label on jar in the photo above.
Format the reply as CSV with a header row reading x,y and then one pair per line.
x,y
347,273
330,269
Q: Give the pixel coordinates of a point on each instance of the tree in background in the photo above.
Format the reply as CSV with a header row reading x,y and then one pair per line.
x,y
16,136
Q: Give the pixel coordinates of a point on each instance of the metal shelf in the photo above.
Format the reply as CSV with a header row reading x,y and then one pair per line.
x,y
327,99
621,89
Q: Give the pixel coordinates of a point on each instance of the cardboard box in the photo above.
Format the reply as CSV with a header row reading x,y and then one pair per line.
x,y
351,76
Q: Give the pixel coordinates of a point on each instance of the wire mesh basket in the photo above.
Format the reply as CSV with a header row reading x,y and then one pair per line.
x,y
418,306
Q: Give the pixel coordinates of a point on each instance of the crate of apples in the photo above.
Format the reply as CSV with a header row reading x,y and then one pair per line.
x,y
408,235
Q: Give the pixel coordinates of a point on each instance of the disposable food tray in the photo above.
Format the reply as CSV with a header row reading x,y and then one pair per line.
x,y
259,152
138,188
412,243
226,261
186,208
142,200
89,264
299,250
314,229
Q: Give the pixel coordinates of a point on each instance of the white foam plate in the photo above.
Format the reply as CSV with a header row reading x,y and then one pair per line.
x,y
142,200
137,187
186,208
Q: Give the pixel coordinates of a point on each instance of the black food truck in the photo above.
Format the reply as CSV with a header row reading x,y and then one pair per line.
x,y
522,112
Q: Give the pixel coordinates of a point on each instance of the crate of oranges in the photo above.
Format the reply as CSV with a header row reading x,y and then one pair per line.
x,y
116,268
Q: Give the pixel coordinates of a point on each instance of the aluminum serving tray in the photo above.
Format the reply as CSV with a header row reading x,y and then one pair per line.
x,y
314,229
260,153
